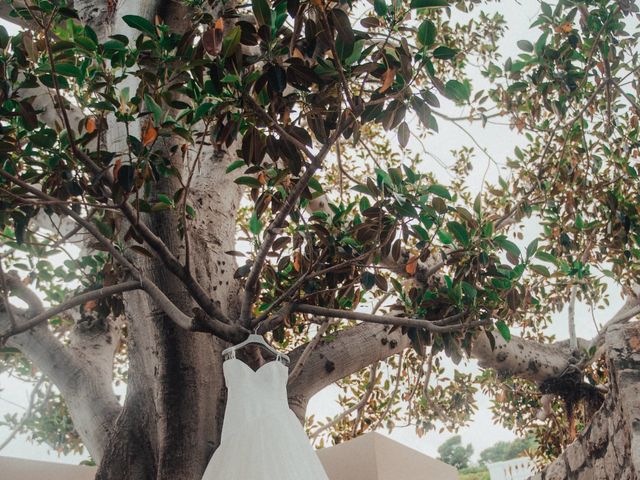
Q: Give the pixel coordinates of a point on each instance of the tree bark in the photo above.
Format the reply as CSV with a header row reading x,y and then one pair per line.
x,y
83,374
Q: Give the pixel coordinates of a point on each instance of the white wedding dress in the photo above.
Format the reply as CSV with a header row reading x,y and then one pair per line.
x,y
262,439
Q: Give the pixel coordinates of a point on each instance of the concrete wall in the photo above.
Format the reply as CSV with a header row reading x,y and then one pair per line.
x,y
609,448
21,469
376,457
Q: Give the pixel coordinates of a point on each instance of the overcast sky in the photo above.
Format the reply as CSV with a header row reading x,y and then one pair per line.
x,y
499,141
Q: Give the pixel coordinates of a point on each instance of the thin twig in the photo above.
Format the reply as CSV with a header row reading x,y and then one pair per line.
x,y
306,353
27,414
350,410
392,397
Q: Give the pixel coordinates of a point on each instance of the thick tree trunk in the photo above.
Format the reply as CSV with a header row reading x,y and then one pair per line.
x,y
609,447
175,394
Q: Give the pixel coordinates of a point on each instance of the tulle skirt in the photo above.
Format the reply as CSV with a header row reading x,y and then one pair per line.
x,y
272,447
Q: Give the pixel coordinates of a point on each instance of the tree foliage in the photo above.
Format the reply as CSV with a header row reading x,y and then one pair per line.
x,y
291,103
502,451
454,453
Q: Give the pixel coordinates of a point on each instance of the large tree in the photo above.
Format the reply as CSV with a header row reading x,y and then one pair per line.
x,y
145,140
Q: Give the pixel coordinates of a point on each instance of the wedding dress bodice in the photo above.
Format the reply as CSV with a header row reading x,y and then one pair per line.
x,y
253,394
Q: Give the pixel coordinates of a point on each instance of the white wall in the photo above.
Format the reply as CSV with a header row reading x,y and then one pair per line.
x,y
516,469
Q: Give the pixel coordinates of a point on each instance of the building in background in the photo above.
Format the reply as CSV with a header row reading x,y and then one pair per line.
x,y
369,457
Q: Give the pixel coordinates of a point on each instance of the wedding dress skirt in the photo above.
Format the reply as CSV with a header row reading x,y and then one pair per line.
x,y
262,439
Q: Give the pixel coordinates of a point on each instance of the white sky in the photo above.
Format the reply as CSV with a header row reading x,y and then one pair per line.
x,y
499,141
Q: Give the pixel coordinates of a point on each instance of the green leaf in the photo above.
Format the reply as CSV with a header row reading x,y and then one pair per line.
x,y
504,330
507,245
68,70
202,110
477,205
459,232
230,42
4,37
403,134
525,45
444,237
444,53
113,45
154,108
45,138
262,11
532,248
517,87
141,24
255,225
439,190
104,228
315,184
501,283
362,189
429,3
164,199
427,33
355,54
86,44
458,91
235,165
249,181
540,269
280,11
344,30
546,257
469,290
368,280
380,7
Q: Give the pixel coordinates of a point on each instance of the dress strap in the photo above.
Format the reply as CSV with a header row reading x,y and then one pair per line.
x,y
230,355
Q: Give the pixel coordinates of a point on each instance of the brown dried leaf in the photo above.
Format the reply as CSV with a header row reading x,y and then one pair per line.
x,y
116,168
387,79
412,266
150,134
90,305
91,124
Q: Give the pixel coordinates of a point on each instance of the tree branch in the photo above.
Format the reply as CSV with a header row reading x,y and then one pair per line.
x,y
252,283
348,352
231,333
72,302
630,309
573,339
87,391
5,14
443,325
